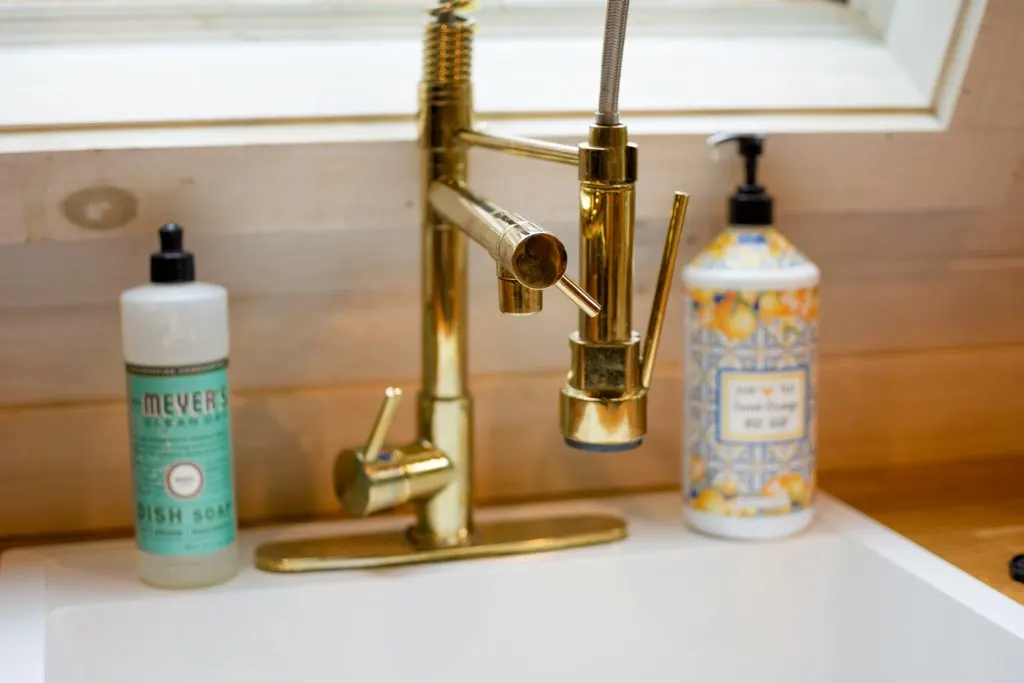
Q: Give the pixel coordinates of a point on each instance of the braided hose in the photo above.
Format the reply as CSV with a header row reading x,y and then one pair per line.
x,y
611,61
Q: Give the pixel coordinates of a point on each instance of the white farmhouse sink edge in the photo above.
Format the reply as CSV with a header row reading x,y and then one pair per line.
x,y
38,583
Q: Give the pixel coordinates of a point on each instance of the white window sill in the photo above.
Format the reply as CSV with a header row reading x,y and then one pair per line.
x,y
233,92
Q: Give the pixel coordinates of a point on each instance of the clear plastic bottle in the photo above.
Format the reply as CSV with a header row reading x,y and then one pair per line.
x,y
175,340
751,373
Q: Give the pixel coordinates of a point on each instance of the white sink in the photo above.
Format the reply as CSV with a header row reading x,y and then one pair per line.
x,y
847,601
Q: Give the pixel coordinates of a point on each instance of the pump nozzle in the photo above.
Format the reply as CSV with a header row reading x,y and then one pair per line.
x,y
172,264
751,204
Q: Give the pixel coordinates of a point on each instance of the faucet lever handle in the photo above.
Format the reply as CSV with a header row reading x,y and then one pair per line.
x,y
382,425
365,482
664,286
578,296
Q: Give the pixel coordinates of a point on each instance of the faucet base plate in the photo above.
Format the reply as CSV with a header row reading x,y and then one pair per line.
x,y
393,548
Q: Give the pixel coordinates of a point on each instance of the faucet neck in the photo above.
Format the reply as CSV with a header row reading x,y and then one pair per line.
x,y
445,407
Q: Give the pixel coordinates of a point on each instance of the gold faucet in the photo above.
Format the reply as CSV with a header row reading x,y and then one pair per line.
x,y
604,399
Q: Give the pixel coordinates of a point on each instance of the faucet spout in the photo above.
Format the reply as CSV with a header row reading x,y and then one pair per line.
x,y
531,255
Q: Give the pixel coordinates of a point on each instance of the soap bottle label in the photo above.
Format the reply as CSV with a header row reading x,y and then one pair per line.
x,y
750,401
761,406
181,458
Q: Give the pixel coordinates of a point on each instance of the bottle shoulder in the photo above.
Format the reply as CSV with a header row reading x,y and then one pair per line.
x,y
751,258
175,324
177,293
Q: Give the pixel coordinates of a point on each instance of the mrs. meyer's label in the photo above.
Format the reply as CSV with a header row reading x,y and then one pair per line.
x,y
762,406
181,458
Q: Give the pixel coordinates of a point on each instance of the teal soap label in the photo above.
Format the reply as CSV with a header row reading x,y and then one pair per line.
x,y
181,458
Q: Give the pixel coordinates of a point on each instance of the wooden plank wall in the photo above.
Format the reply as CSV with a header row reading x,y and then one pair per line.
x,y
920,238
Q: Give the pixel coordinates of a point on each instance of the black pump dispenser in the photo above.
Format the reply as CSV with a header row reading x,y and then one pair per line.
x,y
172,263
751,204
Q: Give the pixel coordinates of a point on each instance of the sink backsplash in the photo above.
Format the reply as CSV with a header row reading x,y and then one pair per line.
x,y
919,237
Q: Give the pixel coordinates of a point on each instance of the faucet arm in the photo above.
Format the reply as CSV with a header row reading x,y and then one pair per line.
x,y
529,253
524,147
664,286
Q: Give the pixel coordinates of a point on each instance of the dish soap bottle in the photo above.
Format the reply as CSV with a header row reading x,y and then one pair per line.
x,y
175,337
751,372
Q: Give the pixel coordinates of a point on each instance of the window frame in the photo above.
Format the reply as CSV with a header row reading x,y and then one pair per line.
x,y
814,66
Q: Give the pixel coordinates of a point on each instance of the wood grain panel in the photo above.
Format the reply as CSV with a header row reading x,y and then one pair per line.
x,y
327,339
12,227
993,93
381,260
363,186
65,468
322,308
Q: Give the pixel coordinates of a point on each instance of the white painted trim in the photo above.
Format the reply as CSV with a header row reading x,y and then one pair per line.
x,y
29,22
876,12
919,36
947,90
187,82
843,73
571,128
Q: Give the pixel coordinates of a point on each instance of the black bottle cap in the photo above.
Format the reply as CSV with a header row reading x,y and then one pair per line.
x,y
751,204
1017,568
172,263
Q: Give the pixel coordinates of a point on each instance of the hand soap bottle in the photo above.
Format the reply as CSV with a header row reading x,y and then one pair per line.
x,y
751,372
175,337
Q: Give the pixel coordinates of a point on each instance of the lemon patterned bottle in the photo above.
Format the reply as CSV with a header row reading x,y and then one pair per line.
x,y
751,373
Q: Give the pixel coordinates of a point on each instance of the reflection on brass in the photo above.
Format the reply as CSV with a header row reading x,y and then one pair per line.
x,y
530,254
391,549
603,405
604,424
370,480
533,256
405,474
514,298
525,147
579,296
